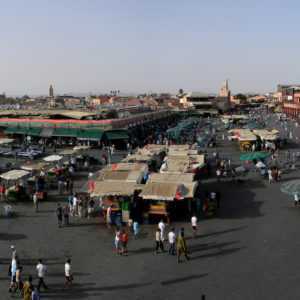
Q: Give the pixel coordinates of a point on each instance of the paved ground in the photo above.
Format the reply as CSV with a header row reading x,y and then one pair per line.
x,y
249,252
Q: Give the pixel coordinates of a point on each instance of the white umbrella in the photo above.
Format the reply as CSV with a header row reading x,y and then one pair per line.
x,y
260,165
53,158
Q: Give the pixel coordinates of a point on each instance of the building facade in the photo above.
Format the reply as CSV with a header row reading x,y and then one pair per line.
x,y
289,97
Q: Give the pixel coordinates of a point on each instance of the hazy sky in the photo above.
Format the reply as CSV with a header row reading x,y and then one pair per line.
x,y
147,45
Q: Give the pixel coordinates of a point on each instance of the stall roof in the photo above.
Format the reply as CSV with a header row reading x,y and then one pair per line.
x,y
137,158
67,152
128,176
52,158
115,188
268,135
127,167
235,117
81,148
176,178
5,141
167,191
67,113
174,148
243,134
34,166
175,166
14,174
152,149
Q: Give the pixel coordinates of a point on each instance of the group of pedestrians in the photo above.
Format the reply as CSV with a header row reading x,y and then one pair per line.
x,y
176,242
27,289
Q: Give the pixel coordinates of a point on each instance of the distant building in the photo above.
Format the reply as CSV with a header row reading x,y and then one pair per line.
x,y
224,91
51,91
198,100
289,96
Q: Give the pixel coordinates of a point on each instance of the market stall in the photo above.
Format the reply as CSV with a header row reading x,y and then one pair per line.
x,y
117,195
168,199
16,189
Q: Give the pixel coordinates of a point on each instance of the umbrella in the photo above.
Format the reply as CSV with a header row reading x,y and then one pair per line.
x,y
258,155
53,158
291,187
260,164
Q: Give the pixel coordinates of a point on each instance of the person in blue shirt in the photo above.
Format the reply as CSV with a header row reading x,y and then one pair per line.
x,y
136,229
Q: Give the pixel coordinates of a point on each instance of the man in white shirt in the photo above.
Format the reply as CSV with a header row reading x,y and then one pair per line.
x,y
75,205
162,226
68,273
172,241
194,225
296,199
41,272
35,202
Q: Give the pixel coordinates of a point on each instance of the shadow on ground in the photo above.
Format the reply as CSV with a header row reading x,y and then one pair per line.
x,y
183,279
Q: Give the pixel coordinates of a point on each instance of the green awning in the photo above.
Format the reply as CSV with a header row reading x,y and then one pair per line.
x,y
254,155
15,130
65,132
116,135
90,134
35,131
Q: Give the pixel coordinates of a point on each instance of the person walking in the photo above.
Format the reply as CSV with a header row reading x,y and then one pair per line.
x,y
270,176
13,270
194,225
68,273
162,227
66,213
296,198
117,241
35,295
158,241
27,289
181,246
41,272
75,205
19,282
35,201
124,242
59,214
108,216
136,229
172,241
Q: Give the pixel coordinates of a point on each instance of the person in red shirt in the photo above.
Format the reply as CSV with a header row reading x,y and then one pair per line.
x,y
124,241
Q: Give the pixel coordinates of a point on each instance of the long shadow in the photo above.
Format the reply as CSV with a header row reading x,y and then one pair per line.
x,y
183,279
221,252
83,224
210,246
12,236
34,261
143,250
217,233
61,274
83,291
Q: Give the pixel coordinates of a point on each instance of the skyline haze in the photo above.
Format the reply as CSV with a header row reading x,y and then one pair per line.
x,y
142,46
